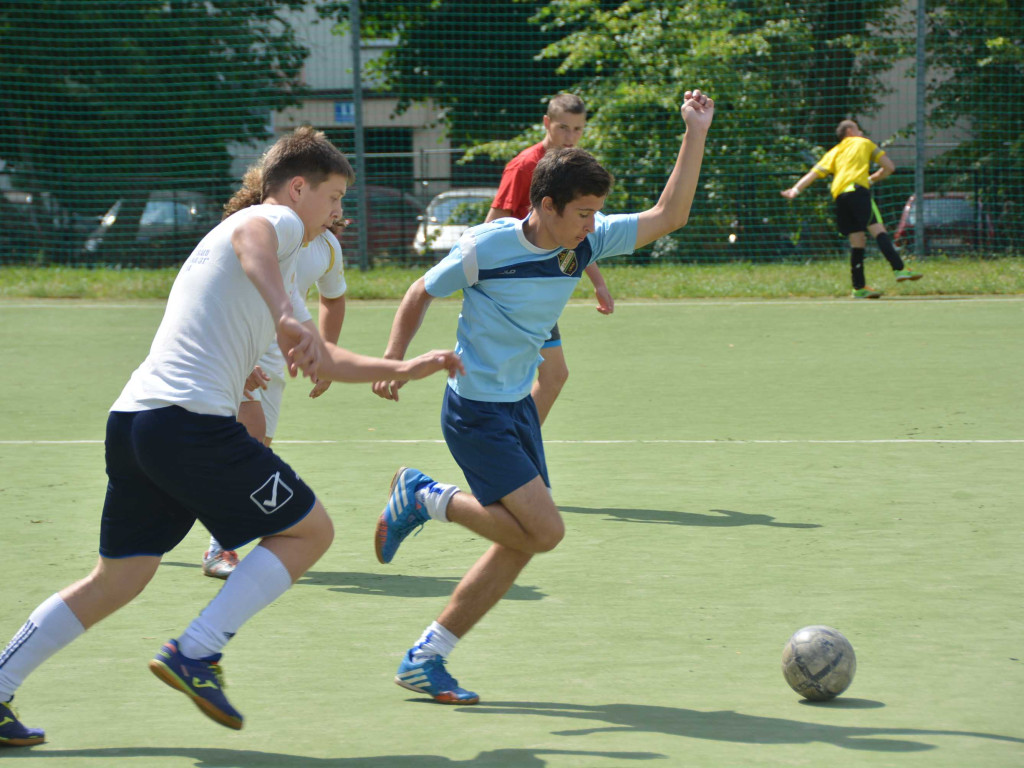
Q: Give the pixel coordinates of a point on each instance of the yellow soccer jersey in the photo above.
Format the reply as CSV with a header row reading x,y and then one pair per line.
x,y
849,162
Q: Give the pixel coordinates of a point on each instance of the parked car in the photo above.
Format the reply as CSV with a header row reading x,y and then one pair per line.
x,y
36,227
450,214
953,221
391,223
170,224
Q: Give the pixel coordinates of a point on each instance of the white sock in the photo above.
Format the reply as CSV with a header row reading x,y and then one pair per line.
x,y
214,547
49,628
435,641
258,581
435,497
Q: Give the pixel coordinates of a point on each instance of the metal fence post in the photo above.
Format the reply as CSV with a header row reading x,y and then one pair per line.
x,y
357,103
919,159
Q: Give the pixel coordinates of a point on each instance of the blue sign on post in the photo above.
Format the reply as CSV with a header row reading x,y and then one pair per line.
x,y
344,113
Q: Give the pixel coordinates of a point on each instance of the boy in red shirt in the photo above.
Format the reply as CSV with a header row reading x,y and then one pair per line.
x,y
563,127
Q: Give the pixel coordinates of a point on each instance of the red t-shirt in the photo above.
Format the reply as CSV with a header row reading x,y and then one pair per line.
x,y
514,190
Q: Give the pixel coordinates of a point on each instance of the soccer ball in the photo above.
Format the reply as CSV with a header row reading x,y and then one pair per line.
x,y
818,663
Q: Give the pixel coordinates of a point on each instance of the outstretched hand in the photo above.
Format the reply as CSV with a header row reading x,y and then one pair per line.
x,y
790,193
698,110
419,368
434,361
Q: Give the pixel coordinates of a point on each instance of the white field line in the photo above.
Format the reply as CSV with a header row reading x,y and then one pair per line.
x,y
81,304
884,441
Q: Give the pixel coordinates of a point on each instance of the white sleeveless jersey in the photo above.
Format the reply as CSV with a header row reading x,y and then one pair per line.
x,y
319,262
216,324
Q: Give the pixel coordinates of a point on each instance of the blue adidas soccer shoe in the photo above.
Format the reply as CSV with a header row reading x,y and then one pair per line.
x,y
402,514
430,677
13,733
202,680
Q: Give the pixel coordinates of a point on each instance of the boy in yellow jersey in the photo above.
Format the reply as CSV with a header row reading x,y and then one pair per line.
x,y
849,162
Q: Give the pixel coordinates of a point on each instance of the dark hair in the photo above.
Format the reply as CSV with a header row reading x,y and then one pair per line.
x,y
566,102
566,174
844,128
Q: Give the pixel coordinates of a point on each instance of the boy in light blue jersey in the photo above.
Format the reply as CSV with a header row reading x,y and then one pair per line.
x,y
516,277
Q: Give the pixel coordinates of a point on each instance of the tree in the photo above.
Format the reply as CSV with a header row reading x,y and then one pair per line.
x,y
783,73
976,58
107,100
475,59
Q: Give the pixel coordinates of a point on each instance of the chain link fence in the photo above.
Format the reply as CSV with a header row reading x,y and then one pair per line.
x,y
124,126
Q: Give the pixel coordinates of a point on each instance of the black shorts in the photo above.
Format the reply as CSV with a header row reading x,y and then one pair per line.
x,y
856,211
169,467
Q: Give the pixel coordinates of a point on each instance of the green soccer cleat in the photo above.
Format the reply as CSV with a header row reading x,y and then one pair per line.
x,y
865,293
902,275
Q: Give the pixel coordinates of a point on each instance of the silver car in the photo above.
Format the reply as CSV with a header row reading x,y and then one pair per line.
x,y
449,215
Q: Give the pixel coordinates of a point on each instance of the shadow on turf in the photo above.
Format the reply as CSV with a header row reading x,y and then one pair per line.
x,y
723,518
245,758
724,725
389,584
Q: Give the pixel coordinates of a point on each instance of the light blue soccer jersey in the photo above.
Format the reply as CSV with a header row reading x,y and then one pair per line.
x,y
512,296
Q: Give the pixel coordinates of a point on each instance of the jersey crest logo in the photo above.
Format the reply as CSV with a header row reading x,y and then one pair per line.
x,y
567,261
272,495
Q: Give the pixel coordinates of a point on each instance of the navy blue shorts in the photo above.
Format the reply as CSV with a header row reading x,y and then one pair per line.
x,y
497,445
554,338
169,467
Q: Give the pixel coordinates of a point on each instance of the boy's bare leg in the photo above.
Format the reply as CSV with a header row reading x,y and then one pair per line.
x,y
551,377
482,587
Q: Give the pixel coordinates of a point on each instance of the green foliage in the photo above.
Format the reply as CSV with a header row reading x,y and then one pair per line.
x,y
771,119
117,99
981,47
475,59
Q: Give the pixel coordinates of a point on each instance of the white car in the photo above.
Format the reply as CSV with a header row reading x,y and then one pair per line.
x,y
449,215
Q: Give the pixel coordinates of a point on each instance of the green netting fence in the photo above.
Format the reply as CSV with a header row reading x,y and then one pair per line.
x,y
124,126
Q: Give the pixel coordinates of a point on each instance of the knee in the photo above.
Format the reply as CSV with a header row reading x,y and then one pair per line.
x,y
549,537
324,531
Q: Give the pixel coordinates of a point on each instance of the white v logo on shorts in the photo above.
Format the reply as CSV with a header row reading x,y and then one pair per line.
x,y
272,495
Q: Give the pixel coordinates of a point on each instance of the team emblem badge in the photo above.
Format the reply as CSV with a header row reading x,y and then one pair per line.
x,y
567,261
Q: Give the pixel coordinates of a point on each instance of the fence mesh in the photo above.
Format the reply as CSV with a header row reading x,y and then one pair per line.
x,y
125,125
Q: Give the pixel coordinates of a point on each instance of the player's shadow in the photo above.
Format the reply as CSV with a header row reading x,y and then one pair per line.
x,y
722,518
400,585
247,758
388,584
724,725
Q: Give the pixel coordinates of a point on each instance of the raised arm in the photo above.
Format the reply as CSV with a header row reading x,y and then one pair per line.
x,y
673,207
407,321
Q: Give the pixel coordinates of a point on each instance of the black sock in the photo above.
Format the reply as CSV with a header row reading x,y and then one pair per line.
x,y
857,268
889,250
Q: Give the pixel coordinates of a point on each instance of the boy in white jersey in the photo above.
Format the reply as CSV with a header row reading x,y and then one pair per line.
x,y
321,262
515,277
175,452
